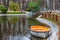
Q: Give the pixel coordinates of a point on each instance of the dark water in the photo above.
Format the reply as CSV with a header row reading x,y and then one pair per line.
x,y
38,38
16,31
26,36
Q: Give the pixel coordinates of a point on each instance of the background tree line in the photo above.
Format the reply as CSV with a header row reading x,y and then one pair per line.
x,y
25,2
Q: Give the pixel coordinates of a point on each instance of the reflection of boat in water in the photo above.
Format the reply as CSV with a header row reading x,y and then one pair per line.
x,y
37,38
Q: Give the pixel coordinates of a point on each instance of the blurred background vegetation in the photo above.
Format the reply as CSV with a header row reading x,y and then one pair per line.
x,y
43,3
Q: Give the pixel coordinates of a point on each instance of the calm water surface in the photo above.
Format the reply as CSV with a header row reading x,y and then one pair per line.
x,y
18,37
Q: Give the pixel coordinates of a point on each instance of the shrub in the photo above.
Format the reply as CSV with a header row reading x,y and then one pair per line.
x,y
3,9
14,12
14,6
32,6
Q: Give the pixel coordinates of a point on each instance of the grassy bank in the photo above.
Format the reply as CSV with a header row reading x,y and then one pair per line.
x,y
33,21
14,12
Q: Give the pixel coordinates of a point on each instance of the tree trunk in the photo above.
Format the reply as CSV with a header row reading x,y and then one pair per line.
x,y
6,3
26,4
23,1
14,0
54,5
0,2
19,2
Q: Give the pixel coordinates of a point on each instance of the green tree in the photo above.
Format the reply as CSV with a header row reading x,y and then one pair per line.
x,y
32,6
3,9
14,6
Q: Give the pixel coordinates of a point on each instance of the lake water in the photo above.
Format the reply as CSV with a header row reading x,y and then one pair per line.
x,y
13,33
27,37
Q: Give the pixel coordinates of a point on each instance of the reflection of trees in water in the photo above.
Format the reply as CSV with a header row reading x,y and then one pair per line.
x,y
18,28
0,33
